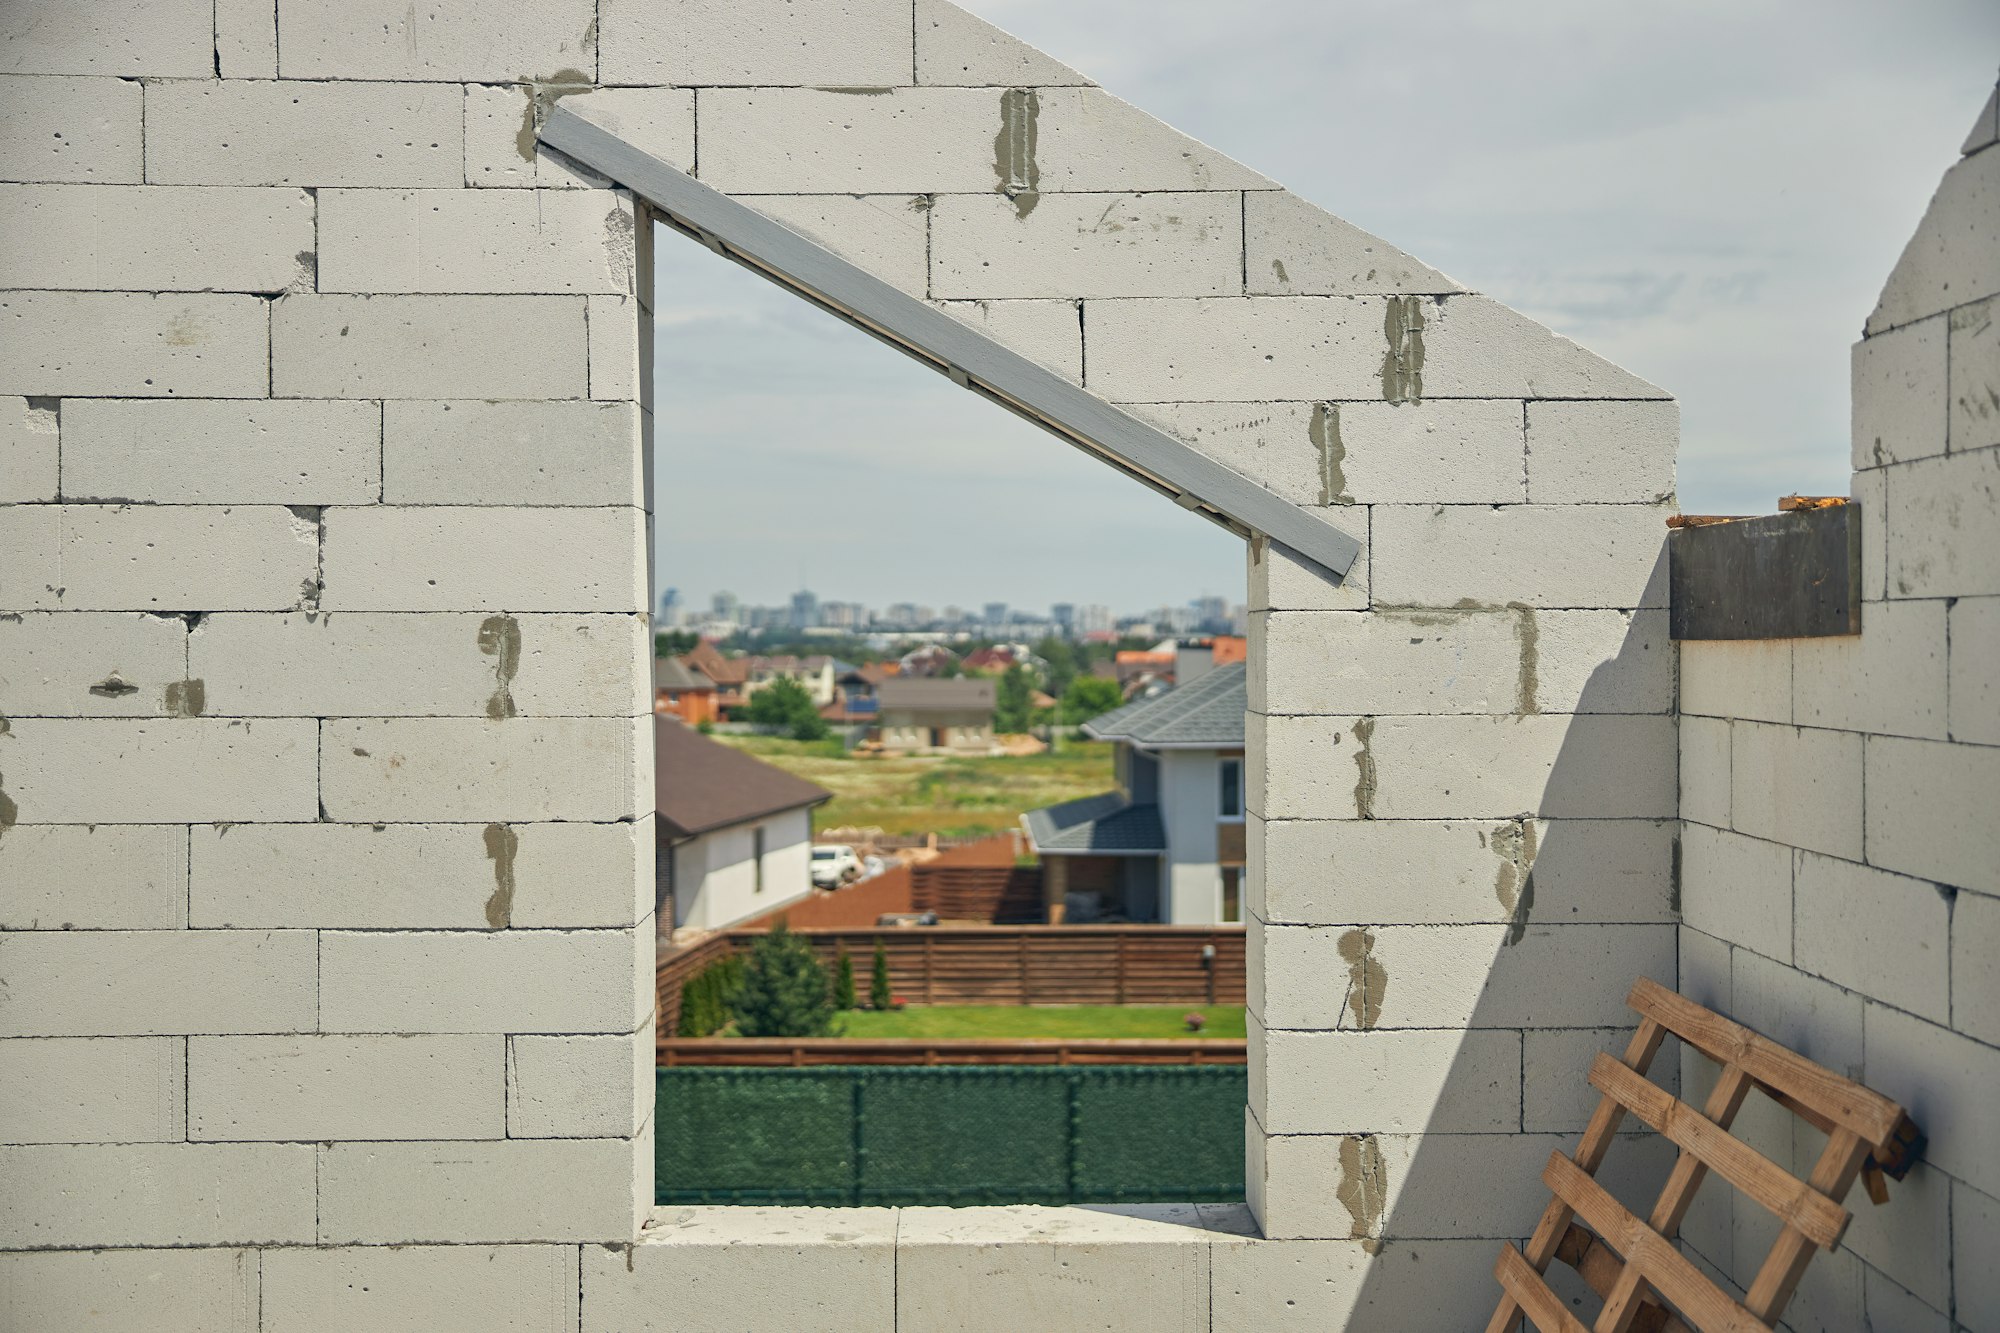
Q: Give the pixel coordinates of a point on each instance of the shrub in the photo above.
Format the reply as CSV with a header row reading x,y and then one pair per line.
x,y
878,980
707,997
784,991
843,981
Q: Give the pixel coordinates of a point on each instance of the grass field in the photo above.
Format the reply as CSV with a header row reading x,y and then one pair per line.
x,y
1007,1021
953,796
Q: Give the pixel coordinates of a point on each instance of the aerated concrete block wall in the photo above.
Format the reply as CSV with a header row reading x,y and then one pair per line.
x,y
1841,854
325,856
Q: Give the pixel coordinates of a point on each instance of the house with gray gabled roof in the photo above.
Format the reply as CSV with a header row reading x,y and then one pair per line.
x,y
1168,844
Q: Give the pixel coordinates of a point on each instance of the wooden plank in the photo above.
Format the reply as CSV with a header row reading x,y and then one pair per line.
x,y
1790,1199
1646,1250
1834,1173
1870,1115
1532,1295
1601,1270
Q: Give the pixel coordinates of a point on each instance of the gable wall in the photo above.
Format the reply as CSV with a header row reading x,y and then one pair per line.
x,y
356,896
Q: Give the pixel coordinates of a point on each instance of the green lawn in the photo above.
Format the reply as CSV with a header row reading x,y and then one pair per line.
x,y
1007,1021
951,795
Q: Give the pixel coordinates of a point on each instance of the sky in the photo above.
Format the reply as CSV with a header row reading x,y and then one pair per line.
x,y
1709,193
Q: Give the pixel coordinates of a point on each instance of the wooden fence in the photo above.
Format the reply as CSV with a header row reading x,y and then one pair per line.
x,y
993,895
1013,964
788,1052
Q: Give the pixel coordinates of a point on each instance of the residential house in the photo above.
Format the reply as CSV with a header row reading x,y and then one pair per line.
x,y
994,659
730,674
920,714
815,674
933,659
735,833
682,692
1168,844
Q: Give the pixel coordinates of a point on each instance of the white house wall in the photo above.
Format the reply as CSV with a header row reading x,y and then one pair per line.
x,y
715,874
1841,860
262,588
1190,806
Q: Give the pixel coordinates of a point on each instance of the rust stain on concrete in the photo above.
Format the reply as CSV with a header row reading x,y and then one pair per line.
x,y
1403,363
500,639
1364,763
1364,1187
1014,164
502,843
1367,980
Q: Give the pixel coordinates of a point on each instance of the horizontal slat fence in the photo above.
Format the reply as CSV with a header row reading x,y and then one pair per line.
x,y
1002,895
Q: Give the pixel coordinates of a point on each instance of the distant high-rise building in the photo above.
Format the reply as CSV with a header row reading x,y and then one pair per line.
x,y
1064,614
670,608
996,615
725,606
805,610
1093,619
1211,614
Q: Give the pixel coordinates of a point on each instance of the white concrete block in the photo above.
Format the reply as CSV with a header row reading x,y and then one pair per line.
x,y
87,983
1738,889
134,344
156,558
93,1090
1085,139
1392,662
1555,1064
1944,527
506,1289
1282,581
388,39
222,452
1049,333
160,238
454,559
886,234
1890,1306
1900,400
511,453
1600,661
1975,966
1956,250
1554,556
426,347
717,1270
1948,1083
409,1086
501,149
690,42
135,771
473,981
828,141
1975,376
1597,767
1870,490
523,769
93,877
1884,935
509,242
421,876
1273,444
246,39
1737,678
1602,452
1975,1235
1388,1082
170,39
1705,770
1705,967
1909,1242
163,1291
1930,811
109,1194
579,1087
363,664
1229,349
85,664
1173,244
957,49
1798,786
620,339
1435,452
240,132
30,451
1974,671
71,129
479,1193
978,1269
1820,1021
1295,248
1477,348
1397,1287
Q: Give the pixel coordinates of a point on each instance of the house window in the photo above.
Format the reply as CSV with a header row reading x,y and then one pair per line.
x,y
757,859
1230,772
1232,893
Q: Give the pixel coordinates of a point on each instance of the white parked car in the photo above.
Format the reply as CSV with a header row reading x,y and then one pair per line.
x,y
833,864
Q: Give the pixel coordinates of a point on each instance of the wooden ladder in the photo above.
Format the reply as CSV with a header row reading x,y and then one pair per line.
x,y
1645,1281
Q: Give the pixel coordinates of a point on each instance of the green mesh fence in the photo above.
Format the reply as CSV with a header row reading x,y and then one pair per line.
x,y
897,1135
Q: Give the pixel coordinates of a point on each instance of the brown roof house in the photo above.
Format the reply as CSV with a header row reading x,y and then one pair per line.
x,y
735,833
938,716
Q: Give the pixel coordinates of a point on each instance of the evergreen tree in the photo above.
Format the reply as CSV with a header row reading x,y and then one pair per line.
x,y
785,704
843,981
878,983
784,991
706,998
1010,708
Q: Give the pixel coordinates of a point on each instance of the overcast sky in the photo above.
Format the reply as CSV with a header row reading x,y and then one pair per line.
x,y
1709,193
